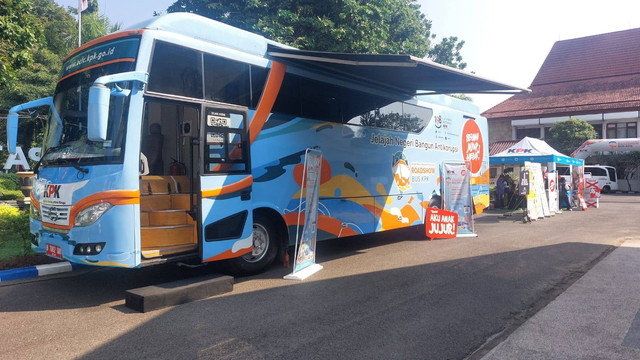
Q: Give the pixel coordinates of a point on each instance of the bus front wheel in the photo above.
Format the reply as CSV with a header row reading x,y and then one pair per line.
x,y
265,248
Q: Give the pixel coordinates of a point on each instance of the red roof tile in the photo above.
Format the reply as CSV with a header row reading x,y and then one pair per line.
x,y
598,73
604,55
500,146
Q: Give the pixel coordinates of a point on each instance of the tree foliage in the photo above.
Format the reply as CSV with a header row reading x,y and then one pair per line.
x,y
567,136
19,33
447,52
354,26
56,36
94,25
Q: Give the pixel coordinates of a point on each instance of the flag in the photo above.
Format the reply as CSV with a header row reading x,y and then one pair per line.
x,y
82,5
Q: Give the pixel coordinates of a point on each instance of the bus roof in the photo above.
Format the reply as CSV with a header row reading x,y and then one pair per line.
x,y
205,29
401,72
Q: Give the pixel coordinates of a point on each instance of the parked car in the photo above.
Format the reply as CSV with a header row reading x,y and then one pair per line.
x,y
606,176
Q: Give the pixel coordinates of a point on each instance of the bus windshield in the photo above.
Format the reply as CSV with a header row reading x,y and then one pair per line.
x,y
67,141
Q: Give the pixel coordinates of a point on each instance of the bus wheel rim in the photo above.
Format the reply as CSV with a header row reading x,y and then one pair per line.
x,y
260,244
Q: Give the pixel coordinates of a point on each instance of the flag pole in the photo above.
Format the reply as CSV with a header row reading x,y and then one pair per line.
x,y
79,23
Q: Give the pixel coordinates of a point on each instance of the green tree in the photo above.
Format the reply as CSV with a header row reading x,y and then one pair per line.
x,y
447,52
566,136
58,36
94,25
354,26
60,27
39,79
19,33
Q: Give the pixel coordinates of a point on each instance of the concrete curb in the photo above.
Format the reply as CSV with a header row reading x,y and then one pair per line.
x,y
38,270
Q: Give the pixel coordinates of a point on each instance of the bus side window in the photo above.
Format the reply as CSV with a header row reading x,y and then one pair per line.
x,y
226,81
319,100
396,116
169,76
416,117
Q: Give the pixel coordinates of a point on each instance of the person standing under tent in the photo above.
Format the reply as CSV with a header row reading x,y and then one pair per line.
x,y
564,194
500,186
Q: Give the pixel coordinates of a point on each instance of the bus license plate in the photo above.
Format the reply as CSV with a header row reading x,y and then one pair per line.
x,y
54,251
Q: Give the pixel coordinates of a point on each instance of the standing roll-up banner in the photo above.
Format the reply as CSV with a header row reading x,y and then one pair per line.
x,y
552,189
457,195
304,262
537,203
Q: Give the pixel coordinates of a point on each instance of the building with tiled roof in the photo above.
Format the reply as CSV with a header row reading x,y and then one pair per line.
x,y
594,78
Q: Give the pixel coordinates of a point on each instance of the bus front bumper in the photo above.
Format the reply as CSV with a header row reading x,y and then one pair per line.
x,y
107,242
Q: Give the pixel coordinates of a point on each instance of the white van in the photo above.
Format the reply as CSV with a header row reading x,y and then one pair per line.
x,y
606,176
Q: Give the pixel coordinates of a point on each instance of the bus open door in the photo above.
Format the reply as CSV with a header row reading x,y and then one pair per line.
x,y
226,182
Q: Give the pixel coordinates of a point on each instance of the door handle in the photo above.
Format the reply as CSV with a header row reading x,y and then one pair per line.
x,y
245,195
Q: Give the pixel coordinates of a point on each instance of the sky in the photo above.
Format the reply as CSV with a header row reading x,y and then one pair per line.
x,y
505,40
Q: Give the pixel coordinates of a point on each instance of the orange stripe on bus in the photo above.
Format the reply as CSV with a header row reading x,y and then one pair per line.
x,y
269,95
115,197
104,39
97,65
228,189
34,202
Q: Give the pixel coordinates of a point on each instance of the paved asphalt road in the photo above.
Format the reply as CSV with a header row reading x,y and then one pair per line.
x,y
388,296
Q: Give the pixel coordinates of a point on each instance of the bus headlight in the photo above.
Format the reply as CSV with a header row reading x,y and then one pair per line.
x,y
34,212
91,214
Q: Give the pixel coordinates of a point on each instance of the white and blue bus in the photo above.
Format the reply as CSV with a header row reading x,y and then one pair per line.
x,y
184,138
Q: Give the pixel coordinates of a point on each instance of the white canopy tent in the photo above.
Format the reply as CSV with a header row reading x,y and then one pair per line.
x,y
536,151
533,150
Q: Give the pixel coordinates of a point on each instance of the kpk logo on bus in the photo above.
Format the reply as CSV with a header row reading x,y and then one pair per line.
x,y
52,191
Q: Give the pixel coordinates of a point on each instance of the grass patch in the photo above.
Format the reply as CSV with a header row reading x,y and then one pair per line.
x,y
12,254
11,246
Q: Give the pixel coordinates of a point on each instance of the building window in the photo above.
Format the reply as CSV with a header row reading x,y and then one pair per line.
x,y
598,129
622,130
532,133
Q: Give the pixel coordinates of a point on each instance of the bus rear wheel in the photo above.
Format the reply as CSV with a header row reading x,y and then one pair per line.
x,y
265,248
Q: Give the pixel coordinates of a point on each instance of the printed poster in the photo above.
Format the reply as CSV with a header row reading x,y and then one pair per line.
x,y
537,203
523,183
457,195
577,186
306,251
441,224
552,179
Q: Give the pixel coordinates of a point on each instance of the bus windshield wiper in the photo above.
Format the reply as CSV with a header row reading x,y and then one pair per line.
x,y
79,168
47,152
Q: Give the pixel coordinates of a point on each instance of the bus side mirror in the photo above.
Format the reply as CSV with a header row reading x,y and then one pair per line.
x,y
98,112
12,131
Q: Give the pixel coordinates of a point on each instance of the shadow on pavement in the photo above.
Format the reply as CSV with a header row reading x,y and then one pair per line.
x,y
438,310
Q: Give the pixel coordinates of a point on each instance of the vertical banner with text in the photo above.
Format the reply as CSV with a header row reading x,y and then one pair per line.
x,y
457,195
305,254
552,181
